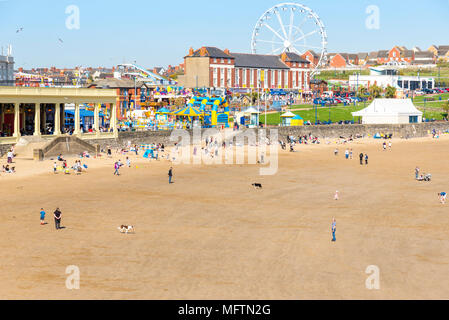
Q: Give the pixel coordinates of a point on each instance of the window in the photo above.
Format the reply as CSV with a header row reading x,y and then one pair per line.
x,y
215,78
258,77
244,77
251,77
237,78
222,74
295,73
279,78
215,60
286,78
229,61
222,60
413,119
229,77
273,78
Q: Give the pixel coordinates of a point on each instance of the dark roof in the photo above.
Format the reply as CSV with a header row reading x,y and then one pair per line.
x,y
424,54
442,50
383,54
362,55
212,52
258,61
294,57
408,53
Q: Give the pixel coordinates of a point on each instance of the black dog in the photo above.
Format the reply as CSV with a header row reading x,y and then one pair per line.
x,y
257,185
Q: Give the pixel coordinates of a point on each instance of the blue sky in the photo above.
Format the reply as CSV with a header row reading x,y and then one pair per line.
x,y
158,33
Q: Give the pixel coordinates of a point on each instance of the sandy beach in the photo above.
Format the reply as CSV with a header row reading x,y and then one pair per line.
x,y
211,235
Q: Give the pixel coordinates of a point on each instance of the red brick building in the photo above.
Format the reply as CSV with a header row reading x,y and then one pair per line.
x,y
211,67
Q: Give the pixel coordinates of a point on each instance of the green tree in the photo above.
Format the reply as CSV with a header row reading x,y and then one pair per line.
x,y
361,92
375,91
390,92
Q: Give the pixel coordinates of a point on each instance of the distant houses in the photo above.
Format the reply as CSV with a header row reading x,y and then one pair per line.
x,y
397,56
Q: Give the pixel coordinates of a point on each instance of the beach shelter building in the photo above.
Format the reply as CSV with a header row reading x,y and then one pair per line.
x,y
297,121
286,119
390,111
248,117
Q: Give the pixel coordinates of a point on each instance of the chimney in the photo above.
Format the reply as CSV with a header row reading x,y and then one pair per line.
x,y
20,69
227,52
190,52
203,52
284,57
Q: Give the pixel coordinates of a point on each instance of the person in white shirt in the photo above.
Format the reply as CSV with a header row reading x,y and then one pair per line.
x,y
10,156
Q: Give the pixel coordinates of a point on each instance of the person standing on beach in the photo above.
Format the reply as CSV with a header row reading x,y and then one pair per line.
x,y
347,154
57,214
366,159
128,162
42,213
361,159
334,229
109,152
389,145
385,146
55,168
350,154
417,173
336,152
170,175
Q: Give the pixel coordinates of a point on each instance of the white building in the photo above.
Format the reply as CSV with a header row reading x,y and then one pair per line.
x,y
389,77
7,68
390,111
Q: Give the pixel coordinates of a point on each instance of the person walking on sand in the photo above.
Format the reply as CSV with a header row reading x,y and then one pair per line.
x,y
347,154
385,146
350,154
361,159
42,213
334,229
389,145
128,162
442,196
55,168
366,159
336,152
417,173
116,168
170,175
57,214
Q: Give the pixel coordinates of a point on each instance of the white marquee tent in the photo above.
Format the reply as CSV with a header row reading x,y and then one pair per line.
x,y
390,111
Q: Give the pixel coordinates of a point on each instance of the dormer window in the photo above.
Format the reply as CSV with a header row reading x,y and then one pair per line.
x,y
222,60
229,61
215,60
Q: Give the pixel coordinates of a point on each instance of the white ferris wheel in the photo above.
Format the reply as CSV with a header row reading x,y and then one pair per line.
x,y
290,27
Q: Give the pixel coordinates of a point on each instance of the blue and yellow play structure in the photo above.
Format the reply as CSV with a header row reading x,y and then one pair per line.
x,y
215,110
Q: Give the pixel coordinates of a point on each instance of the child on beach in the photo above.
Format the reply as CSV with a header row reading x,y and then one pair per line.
x,y
55,168
42,213
128,162
336,197
442,196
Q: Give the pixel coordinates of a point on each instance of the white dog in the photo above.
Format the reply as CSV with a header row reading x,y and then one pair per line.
x,y
126,229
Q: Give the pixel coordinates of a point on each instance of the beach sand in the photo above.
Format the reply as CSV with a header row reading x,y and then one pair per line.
x,y
211,235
